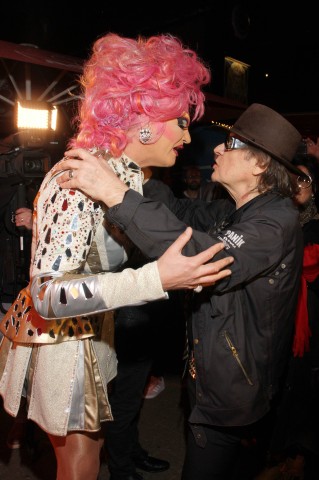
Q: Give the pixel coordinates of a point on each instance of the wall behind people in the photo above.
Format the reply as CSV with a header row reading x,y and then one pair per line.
x,y
312,146
199,153
197,188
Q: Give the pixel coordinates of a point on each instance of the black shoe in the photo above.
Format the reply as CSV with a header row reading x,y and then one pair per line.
x,y
134,476
151,464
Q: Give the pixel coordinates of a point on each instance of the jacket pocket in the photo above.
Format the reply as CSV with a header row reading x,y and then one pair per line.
x,y
235,354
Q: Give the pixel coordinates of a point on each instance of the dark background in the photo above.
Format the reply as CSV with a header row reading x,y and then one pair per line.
x,y
279,41
278,38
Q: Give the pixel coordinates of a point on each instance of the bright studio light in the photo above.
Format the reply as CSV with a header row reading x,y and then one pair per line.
x,y
36,115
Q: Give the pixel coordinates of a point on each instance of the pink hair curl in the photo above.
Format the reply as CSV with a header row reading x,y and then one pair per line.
x,y
127,81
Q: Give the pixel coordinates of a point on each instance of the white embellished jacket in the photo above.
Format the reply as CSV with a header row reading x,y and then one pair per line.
x,y
74,284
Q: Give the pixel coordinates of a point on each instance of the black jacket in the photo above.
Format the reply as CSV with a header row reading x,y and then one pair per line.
x,y
242,327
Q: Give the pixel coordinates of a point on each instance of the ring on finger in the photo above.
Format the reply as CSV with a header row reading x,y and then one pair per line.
x,y
70,174
198,289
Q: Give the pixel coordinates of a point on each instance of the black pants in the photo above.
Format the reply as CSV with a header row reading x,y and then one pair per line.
x,y
212,453
215,460
122,441
133,344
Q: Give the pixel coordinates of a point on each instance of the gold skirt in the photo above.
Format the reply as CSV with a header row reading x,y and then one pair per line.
x,y
65,383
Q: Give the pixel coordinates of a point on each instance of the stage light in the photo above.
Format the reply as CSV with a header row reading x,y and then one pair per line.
x,y
36,122
34,115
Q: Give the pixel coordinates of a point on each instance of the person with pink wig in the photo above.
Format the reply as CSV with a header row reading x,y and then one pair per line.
x,y
57,349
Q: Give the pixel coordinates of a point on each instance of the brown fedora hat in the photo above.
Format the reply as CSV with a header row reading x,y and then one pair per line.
x,y
266,129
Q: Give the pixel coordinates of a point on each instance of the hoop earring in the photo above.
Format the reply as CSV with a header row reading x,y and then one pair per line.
x,y
145,135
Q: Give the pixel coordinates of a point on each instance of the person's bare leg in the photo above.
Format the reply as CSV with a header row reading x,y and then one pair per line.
x,y
77,455
17,432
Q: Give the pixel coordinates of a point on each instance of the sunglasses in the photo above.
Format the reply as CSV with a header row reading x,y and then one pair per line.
x,y
233,143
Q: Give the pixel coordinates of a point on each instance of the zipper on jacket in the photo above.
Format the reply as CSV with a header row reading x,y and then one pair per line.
x,y
236,356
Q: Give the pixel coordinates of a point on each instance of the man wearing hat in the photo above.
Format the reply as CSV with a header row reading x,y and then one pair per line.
x,y
240,329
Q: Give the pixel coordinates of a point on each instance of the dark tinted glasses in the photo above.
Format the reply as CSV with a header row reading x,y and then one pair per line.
x,y
233,143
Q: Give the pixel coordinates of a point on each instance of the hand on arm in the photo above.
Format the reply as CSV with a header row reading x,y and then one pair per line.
x,y
92,175
180,272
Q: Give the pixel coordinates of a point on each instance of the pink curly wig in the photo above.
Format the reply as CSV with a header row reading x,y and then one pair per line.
x,y
127,83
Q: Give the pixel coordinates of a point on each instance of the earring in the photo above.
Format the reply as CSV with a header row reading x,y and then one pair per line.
x,y
145,135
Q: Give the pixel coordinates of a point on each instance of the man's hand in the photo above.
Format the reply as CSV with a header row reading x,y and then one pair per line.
x,y
92,175
180,272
